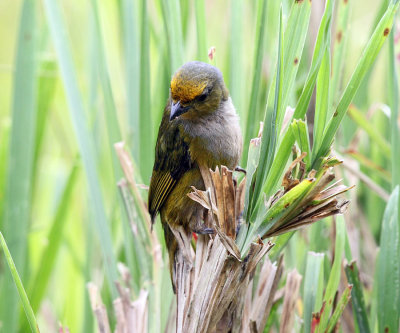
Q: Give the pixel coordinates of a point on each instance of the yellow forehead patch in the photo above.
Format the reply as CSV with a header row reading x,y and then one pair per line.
x,y
184,89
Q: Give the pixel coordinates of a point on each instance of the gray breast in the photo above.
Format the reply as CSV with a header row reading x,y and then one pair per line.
x,y
220,132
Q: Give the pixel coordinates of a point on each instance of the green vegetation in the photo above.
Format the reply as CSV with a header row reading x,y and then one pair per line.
x,y
79,77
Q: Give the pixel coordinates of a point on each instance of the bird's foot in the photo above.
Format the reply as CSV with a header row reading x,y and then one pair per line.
x,y
239,220
204,231
240,169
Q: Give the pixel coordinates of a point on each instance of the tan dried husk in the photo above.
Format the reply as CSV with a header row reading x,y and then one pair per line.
x,y
224,281
321,201
215,289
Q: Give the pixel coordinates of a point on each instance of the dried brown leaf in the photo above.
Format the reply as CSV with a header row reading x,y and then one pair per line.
x,y
292,288
288,182
229,191
98,308
202,197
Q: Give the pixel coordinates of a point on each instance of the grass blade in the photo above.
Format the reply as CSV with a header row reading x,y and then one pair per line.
x,y
47,83
366,61
388,268
300,132
360,99
146,139
394,113
322,99
255,87
284,150
339,49
314,273
322,42
173,29
17,205
376,137
114,132
371,166
3,166
280,243
139,245
293,44
18,283
357,297
236,59
269,134
252,161
334,276
39,283
85,142
110,112
292,48
339,309
201,29
132,69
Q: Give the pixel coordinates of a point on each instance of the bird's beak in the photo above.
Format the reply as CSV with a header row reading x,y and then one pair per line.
x,y
177,109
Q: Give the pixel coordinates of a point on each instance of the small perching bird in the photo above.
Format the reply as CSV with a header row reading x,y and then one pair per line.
x,y
199,127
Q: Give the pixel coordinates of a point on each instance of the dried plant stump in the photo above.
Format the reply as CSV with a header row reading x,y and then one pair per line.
x,y
215,286
210,294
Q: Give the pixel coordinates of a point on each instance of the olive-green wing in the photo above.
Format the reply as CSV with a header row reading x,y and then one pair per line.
x,y
172,160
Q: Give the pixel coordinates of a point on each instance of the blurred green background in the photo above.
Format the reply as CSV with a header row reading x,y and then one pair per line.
x,y
92,73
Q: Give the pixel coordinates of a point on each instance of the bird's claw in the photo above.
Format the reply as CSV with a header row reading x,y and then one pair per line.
x,y
240,169
204,231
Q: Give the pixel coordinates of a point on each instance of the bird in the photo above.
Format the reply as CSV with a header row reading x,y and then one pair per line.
x,y
199,128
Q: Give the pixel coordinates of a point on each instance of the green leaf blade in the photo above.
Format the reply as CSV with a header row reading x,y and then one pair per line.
x,y
367,59
314,270
18,284
334,276
255,88
21,159
357,297
388,268
85,140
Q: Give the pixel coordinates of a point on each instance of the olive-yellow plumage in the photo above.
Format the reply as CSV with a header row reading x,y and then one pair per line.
x,y
199,128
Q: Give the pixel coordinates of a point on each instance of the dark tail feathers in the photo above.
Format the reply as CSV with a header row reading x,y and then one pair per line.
x,y
172,247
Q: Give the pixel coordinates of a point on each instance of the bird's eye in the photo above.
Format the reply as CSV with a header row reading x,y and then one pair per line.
x,y
203,96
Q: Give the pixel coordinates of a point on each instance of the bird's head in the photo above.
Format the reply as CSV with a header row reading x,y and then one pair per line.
x,y
197,89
